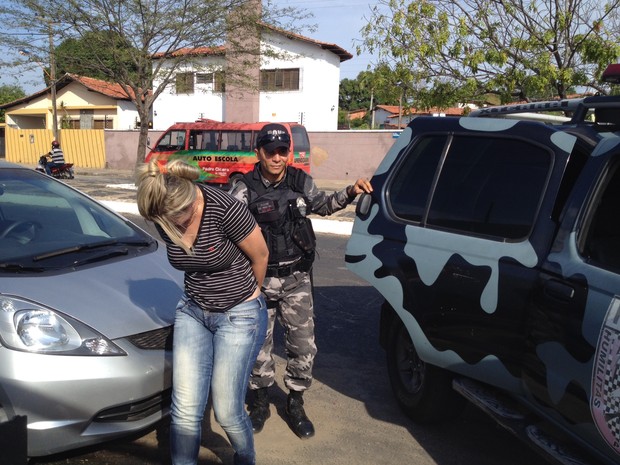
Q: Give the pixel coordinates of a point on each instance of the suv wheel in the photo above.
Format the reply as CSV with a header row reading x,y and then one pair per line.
x,y
424,392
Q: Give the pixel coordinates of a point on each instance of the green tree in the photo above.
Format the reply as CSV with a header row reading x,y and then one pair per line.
x,y
352,95
8,93
133,32
76,55
449,51
368,88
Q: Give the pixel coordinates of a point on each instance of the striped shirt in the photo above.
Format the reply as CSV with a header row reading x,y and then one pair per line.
x,y
58,157
219,275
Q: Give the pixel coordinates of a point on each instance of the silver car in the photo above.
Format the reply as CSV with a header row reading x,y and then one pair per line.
x,y
87,302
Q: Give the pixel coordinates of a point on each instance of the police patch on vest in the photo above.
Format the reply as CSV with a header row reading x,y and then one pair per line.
x,y
266,206
265,210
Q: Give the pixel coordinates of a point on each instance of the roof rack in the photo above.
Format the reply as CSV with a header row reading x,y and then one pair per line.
x,y
565,105
579,108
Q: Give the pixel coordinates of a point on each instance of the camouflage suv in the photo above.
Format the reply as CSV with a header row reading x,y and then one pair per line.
x,y
496,245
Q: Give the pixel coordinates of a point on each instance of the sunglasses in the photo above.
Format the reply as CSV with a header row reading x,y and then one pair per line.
x,y
268,138
186,218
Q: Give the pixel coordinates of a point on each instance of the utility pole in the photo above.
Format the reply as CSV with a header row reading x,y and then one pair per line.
x,y
51,74
53,79
371,108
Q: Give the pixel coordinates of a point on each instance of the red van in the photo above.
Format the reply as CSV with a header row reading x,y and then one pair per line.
x,y
224,151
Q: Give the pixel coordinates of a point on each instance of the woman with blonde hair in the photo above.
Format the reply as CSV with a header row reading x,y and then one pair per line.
x,y
221,319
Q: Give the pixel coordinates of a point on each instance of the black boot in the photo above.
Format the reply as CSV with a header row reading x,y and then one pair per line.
x,y
300,424
259,410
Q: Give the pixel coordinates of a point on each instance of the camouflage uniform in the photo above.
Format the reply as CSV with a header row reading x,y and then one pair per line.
x,y
289,298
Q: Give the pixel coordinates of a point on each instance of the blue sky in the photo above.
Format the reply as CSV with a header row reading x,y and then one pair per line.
x,y
337,22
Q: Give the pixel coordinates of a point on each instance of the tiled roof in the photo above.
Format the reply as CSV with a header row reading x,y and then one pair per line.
x,y
109,89
221,50
394,109
389,108
356,114
336,49
194,51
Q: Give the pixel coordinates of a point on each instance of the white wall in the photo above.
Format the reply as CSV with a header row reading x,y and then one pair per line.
x,y
126,115
319,82
170,107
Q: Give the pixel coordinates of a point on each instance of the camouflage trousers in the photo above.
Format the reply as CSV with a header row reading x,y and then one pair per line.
x,y
290,301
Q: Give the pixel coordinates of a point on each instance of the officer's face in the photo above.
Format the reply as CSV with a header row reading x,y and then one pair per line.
x,y
273,163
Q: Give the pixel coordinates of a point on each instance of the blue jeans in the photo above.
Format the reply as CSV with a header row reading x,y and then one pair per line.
x,y
214,352
49,165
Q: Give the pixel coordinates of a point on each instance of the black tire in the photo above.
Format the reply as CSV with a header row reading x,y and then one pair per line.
x,y
234,180
424,392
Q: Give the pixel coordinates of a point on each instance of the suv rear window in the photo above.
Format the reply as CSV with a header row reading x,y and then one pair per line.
x,y
486,185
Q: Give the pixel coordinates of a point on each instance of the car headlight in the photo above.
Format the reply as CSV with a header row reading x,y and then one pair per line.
x,y
30,327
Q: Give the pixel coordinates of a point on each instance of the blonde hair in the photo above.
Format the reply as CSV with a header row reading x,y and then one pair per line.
x,y
165,193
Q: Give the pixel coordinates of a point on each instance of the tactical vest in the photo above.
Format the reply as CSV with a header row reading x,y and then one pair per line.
x,y
281,215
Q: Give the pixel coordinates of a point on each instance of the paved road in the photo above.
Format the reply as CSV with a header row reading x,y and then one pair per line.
x,y
357,420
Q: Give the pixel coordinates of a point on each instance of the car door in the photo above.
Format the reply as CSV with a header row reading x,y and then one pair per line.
x,y
573,348
454,232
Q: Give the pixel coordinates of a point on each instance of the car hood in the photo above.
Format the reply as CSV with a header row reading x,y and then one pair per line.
x,y
116,297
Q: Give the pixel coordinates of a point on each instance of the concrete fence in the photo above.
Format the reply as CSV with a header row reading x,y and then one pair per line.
x,y
339,155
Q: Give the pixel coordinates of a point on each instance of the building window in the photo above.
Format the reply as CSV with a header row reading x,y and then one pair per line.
x,y
185,83
204,78
106,123
215,79
279,79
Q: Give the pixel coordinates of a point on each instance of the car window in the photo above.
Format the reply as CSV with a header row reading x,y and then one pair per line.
x,y
487,185
602,244
235,141
300,138
172,140
39,215
490,186
205,140
410,188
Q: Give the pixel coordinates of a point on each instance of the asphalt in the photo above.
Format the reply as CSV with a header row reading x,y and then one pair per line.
x,y
116,189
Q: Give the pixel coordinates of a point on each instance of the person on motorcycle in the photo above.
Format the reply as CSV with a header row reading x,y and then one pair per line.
x,y
57,155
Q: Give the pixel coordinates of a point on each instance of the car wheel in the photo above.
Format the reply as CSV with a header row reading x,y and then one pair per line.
x,y
424,392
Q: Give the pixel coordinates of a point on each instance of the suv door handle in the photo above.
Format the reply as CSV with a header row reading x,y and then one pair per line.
x,y
364,204
559,290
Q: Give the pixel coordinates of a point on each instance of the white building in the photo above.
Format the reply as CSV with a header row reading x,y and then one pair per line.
x,y
300,86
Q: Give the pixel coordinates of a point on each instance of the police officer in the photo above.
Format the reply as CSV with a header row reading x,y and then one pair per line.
x,y
280,197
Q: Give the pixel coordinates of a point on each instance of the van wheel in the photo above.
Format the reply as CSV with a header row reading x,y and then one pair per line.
x,y
234,180
424,392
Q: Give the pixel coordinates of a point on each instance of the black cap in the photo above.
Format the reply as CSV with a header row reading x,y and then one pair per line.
x,y
273,136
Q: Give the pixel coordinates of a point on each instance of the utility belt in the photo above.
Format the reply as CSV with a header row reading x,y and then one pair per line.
x,y
282,271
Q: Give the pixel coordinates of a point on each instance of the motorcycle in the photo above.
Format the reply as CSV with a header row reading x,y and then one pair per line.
x,y
60,172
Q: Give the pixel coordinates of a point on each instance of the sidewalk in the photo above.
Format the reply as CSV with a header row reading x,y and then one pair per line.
x,y
120,196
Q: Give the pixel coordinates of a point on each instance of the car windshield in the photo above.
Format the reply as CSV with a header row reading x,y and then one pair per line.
x,y
46,224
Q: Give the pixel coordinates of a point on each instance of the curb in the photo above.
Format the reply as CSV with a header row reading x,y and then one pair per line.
x,y
320,225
